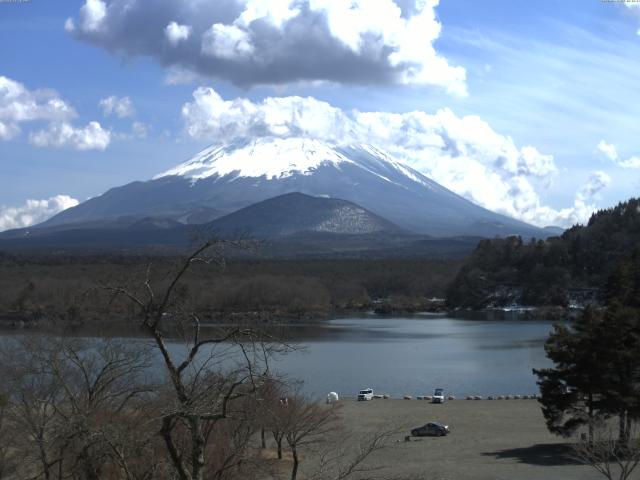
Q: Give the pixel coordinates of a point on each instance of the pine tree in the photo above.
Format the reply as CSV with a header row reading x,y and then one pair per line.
x,y
571,391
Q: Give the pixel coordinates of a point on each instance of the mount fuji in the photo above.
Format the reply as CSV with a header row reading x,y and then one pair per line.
x,y
224,179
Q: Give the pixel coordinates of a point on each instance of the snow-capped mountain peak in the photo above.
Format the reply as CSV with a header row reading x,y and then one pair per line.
x,y
279,158
271,158
223,179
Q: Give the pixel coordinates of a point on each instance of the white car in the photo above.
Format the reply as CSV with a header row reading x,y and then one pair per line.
x,y
438,396
365,394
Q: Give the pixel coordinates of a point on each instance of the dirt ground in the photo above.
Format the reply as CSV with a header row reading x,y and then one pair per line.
x,y
489,439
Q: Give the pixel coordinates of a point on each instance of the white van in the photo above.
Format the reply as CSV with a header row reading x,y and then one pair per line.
x,y
365,394
438,396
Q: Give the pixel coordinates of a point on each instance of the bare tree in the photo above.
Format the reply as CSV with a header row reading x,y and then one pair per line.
x,y
346,457
7,463
605,453
271,401
72,406
205,388
305,423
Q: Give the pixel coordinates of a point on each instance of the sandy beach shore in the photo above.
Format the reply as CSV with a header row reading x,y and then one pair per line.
x,y
489,439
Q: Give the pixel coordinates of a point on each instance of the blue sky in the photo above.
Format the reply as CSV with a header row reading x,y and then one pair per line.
x,y
559,76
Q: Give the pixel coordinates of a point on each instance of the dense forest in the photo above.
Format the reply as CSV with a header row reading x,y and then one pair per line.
x,y
70,288
595,263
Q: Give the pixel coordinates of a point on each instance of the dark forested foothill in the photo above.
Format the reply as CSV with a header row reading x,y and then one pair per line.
x,y
576,268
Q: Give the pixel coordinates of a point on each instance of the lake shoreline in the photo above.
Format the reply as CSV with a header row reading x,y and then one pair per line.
x,y
18,322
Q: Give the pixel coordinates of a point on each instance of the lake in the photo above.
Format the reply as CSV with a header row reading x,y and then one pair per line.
x,y
415,355
409,355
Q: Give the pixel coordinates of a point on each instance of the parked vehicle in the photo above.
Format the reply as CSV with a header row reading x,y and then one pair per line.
x,y
438,396
431,429
365,394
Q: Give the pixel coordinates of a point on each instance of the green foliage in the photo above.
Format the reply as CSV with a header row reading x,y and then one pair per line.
x,y
570,390
544,272
596,371
623,284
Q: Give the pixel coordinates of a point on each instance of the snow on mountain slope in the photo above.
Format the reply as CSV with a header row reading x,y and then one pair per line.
x,y
280,158
224,179
249,159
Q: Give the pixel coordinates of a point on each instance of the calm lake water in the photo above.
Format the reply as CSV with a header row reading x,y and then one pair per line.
x,y
415,355
412,355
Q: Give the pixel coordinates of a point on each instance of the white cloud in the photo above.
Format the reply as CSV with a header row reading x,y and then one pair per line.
x,y
90,137
92,15
631,162
8,130
19,105
139,130
177,33
226,41
121,107
34,211
254,42
69,25
611,153
608,150
462,153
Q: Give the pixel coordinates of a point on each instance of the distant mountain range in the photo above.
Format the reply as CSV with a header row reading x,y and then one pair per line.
x,y
274,188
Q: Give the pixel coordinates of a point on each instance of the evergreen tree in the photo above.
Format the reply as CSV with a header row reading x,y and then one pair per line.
x,y
571,391
596,373
619,354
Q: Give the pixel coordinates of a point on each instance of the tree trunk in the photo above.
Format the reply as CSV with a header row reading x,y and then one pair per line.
x,y
174,454
278,438
296,463
43,459
197,452
624,429
590,419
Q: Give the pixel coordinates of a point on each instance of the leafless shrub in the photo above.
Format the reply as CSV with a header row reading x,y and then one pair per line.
x,y
606,454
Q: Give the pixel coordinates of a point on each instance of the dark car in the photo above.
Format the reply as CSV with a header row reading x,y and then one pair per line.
x,y
431,429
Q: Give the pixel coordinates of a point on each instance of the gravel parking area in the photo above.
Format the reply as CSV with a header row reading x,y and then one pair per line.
x,y
489,439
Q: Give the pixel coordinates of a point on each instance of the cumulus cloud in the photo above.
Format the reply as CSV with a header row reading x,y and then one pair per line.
x,y
8,130
90,137
253,42
34,211
227,42
583,203
177,33
610,151
19,105
92,15
462,153
121,107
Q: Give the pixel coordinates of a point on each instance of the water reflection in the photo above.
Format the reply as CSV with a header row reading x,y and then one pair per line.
x,y
403,355
414,356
